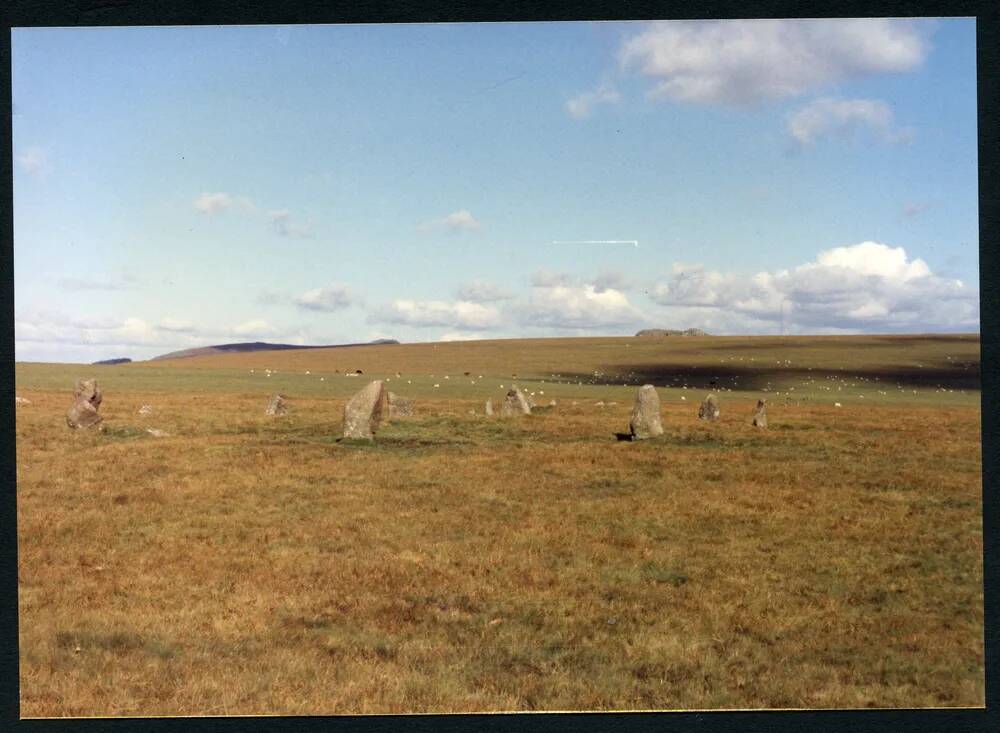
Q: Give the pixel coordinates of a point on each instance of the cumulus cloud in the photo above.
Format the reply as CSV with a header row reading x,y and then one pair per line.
x,y
844,117
482,292
555,302
458,314
611,280
457,221
35,162
738,62
330,298
863,287
582,105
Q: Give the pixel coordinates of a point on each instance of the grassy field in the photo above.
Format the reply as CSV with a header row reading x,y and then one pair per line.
x,y
248,564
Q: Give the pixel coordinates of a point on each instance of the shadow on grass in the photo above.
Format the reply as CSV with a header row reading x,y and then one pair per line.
x,y
750,378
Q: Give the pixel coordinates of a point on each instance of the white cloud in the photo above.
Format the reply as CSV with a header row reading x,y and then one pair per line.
x,y
56,336
915,209
477,291
255,327
549,279
213,203
451,314
611,280
844,117
282,224
565,306
332,297
457,221
97,282
462,336
746,61
864,287
582,105
35,162
175,326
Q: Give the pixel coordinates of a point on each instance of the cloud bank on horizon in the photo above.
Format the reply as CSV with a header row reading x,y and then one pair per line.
x,y
785,175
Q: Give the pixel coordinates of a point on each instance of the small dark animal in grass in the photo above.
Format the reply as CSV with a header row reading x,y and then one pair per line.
x,y
358,371
86,399
760,415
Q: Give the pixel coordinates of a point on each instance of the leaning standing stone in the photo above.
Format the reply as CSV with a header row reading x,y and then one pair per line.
x,y
515,403
489,407
709,409
364,412
760,415
645,419
86,399
277,405
399,406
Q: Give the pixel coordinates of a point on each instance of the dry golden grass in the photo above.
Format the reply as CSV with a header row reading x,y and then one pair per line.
x,y
252,565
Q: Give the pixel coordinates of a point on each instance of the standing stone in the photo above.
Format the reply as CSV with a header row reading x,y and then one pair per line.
x,y
760,415
365,411
277,405
86,399
399,406
709,409
515,403
489,407
645,419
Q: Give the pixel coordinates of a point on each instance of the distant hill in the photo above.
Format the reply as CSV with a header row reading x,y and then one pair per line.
x,y
108,362
672,332
256,346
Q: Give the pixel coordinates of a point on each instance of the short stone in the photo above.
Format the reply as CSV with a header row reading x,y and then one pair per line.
x,y
709,409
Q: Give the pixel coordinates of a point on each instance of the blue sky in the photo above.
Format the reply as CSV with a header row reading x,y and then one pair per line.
x,y
184,186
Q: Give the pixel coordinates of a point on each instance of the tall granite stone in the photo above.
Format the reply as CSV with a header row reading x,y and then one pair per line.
x,y
645,421
365,411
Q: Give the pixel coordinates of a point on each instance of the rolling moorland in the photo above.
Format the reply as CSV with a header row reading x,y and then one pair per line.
x,y
249,564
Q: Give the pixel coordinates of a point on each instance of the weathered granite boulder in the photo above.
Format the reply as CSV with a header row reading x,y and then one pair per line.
x,y
645,419
86,399
709,409
515,403
365,411
489,407
399,406
277,405
760,415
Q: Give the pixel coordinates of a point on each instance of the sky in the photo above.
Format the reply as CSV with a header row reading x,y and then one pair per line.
x,y
321,184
